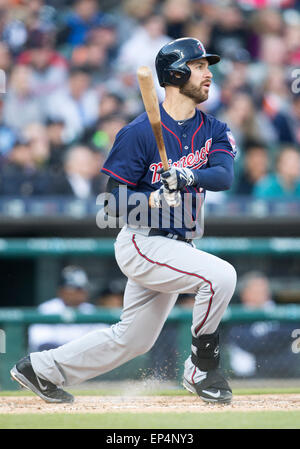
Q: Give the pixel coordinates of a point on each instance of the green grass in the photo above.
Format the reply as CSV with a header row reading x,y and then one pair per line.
x,y
189,420
170,392
219,420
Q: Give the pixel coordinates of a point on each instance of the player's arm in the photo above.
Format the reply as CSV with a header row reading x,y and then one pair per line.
x,y
217,177
219,173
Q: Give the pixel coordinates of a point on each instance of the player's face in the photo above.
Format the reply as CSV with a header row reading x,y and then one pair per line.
x,y
197,87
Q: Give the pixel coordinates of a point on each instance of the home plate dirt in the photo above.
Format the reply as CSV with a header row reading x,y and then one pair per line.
x,y
148,404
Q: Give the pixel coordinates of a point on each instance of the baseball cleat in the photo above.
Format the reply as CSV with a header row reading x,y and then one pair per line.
x,y
23,373
214,388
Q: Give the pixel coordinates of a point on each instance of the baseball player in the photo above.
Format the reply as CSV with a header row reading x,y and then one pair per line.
x,y
155,248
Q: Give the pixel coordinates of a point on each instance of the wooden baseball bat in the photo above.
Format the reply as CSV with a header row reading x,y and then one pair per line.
x,y
152,108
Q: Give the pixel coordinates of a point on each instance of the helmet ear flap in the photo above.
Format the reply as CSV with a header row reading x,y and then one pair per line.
x,y
178,76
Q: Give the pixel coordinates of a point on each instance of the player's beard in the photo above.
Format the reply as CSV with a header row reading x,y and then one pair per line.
x,y
196,93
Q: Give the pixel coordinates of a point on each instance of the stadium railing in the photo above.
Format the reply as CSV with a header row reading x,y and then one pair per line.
x,y
36,247
15,321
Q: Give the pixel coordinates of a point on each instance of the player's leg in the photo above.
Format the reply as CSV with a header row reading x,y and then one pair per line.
x,y
201,373
98,352
174,266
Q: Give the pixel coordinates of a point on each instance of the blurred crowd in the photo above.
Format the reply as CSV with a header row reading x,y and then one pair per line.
x,y
71,85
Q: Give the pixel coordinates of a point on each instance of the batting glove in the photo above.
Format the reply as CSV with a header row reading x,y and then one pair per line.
x,y
177,178
173,199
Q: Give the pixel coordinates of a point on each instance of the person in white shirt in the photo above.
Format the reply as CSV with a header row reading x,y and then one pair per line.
x,y
143,45
81,178
73,293
77,104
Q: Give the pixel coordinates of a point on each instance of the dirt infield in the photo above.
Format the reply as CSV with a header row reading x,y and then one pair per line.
x,y
148,404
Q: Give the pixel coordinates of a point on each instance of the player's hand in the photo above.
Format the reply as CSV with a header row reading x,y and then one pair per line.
x,y
173,199
177,178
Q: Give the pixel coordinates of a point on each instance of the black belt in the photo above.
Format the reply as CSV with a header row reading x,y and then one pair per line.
x,y
154,232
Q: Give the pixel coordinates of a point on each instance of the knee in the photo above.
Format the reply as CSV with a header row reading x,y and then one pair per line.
x,y
144,345
228,278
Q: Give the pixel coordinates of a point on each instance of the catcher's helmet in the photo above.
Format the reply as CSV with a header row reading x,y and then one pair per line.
x,y
171,60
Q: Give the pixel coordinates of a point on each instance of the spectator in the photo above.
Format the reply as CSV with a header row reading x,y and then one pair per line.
x,y
176,14
19,175
234,74
80,178
142,47
261,348
106,36
255,167
36,135
130,14
85,17
199,29
266,21
272,53
12,31
95,58
287,123
73,291
103,135
275,92
99,51
35,14
57,146
208,9
20,97
6,59
23,18
255,291
229,33
245,122
111,295
292,40
110,103
124,81
285,182
76,105
49,68
7,135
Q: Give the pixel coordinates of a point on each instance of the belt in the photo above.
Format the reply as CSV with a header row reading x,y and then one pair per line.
x,y
159,232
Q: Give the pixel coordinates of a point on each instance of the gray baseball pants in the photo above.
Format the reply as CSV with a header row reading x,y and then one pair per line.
x,y
158,269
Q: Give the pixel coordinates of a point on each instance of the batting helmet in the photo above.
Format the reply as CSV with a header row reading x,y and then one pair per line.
x,y
171,60
74,277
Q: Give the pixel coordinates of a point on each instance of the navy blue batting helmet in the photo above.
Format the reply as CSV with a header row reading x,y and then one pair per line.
x,y
171,60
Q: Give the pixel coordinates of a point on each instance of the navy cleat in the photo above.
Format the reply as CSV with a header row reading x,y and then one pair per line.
x,y
213,388
23,373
